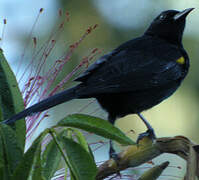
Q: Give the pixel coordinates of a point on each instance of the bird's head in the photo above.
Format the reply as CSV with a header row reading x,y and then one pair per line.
x,y
169,25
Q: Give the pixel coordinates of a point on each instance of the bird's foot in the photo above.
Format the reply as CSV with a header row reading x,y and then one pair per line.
x,y
149,133
113,154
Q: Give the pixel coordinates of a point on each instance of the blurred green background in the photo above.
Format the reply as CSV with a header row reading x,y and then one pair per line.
x,y
119,21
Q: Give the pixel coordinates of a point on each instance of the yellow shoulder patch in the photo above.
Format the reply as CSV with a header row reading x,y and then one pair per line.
x,y
181,60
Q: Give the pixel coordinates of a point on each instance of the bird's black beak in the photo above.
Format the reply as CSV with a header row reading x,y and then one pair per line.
x,y
182,14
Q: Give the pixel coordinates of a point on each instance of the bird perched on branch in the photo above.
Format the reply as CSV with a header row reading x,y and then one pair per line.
x,y
134,77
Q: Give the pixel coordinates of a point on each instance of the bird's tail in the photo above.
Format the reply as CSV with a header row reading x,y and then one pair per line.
x,y
45,104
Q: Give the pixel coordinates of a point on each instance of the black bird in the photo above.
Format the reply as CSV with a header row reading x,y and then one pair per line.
x,y
134,77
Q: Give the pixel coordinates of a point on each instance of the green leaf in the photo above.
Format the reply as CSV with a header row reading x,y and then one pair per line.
x,y
37,169
154,172
11,100
4,171
30,165
80,138
4,168
97,126
50,159
81,162
10,151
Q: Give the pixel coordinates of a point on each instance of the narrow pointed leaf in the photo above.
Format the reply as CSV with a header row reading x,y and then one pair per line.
x,y
5,172
11,100
81,162
97,126
154,172
29,166
10,151
37,169
51,160
81,139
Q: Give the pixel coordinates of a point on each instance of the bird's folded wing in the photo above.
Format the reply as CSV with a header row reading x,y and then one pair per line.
x,y
132,69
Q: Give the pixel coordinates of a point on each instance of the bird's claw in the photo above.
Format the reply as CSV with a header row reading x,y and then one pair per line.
x,y
113,154
149,133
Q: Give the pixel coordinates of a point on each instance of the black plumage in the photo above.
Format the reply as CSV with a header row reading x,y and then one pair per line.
x,y
134,77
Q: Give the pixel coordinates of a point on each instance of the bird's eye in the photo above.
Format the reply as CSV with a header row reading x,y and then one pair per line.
x,y
162,17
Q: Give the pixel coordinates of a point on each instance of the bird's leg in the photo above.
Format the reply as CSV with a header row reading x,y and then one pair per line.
x,y
112,153
150,131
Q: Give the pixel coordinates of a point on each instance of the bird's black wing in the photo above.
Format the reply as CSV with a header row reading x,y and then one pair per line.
x,y
139,64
